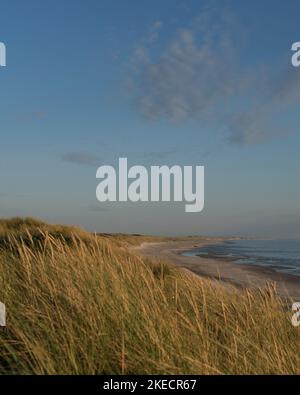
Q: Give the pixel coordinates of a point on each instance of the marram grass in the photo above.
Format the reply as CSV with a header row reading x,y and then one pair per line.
x,y
83,305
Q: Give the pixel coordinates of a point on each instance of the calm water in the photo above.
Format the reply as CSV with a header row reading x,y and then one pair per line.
x,y
280,255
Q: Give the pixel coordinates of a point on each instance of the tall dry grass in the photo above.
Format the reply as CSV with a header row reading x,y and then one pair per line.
x,y
89,307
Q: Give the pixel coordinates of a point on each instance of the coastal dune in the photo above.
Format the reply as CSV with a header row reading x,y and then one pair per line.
x,y
79,303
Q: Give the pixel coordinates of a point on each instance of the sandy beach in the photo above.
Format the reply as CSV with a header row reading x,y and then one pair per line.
x,y
227,272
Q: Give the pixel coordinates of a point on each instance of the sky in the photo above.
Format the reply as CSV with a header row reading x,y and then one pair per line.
x,y
175,82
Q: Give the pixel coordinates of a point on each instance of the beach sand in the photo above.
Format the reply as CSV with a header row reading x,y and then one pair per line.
x,y
227,272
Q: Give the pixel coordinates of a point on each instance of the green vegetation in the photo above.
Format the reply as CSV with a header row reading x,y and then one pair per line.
x,y
83,304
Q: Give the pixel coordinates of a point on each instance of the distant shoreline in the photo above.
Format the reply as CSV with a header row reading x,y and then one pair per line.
x,y
224,271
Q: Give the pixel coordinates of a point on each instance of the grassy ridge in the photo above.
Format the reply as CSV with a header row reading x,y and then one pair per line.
x,y
82,304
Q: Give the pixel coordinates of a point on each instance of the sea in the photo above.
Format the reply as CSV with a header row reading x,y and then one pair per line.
x,y
279,255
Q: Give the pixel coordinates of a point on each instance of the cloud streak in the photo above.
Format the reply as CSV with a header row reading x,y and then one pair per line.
x,y
280,94
81,158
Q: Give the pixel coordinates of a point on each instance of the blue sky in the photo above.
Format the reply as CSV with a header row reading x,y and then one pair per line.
x,y
189,82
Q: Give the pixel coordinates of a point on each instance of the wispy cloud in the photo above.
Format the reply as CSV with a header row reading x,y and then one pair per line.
x,y
190,77
197,75
81,158
154,31
279,94
30,116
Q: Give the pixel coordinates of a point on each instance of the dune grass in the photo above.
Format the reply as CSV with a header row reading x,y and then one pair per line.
x,y
79,304
31,231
